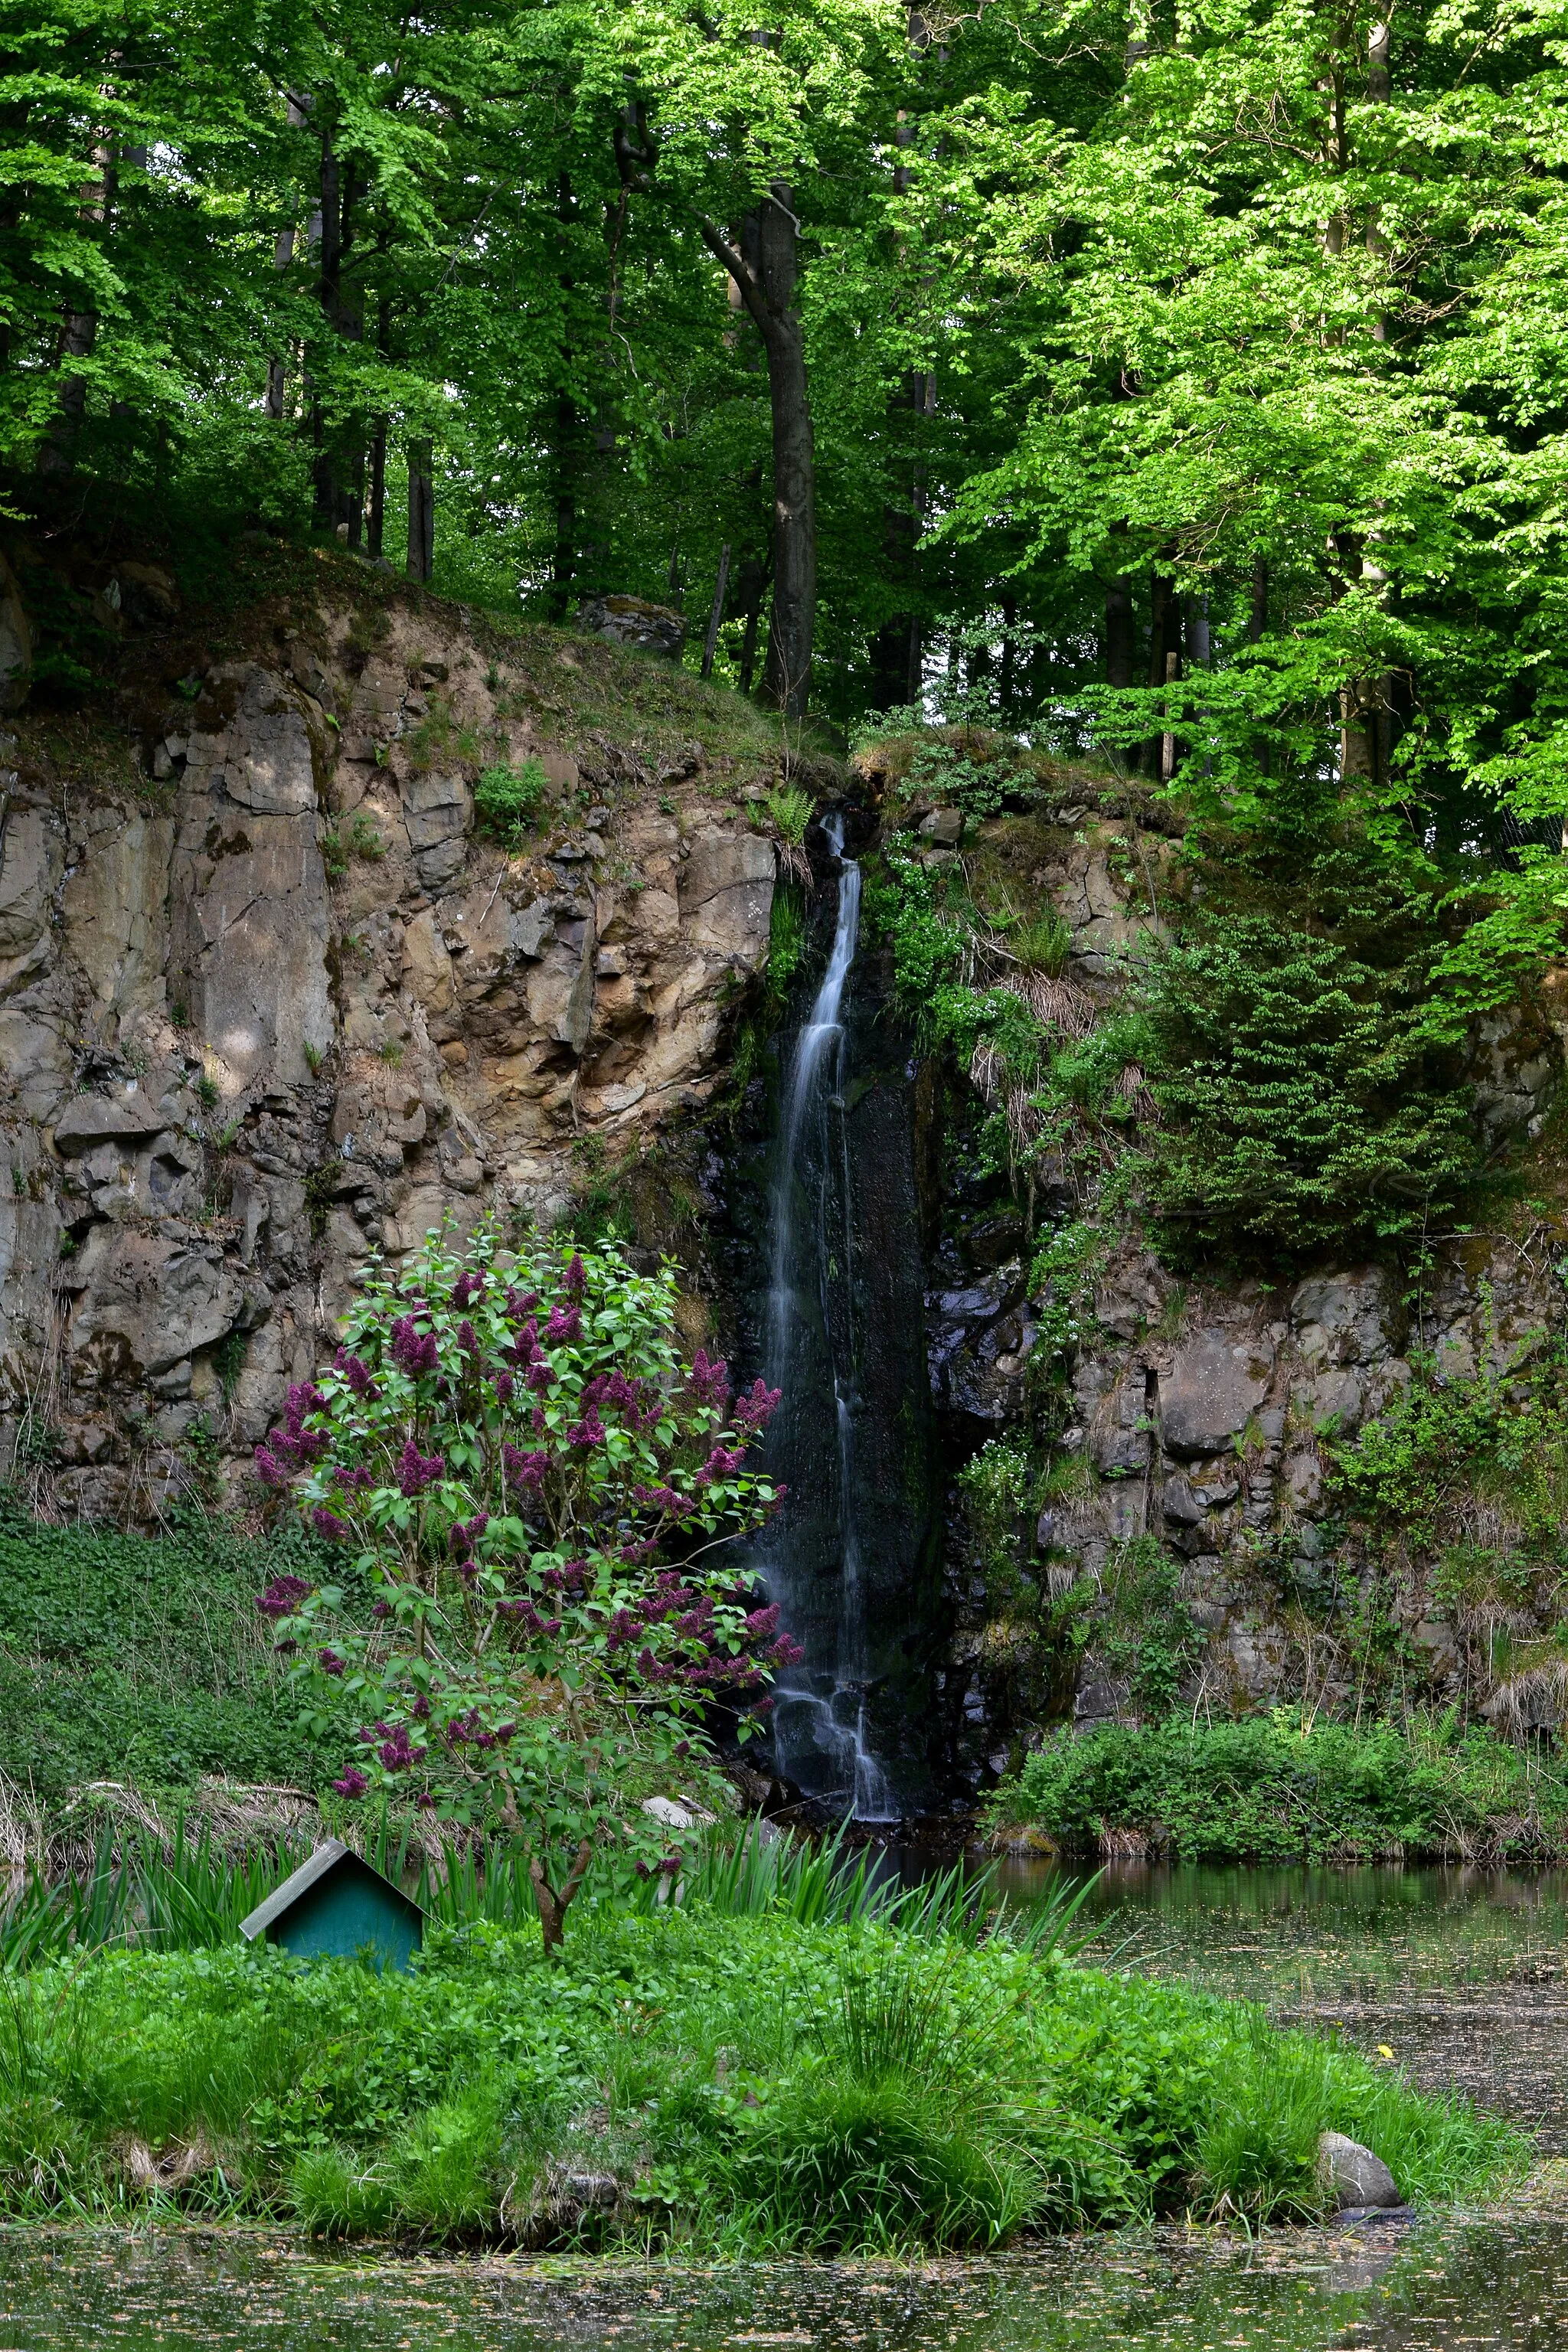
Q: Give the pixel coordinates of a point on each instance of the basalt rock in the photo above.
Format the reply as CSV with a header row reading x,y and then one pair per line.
x,y
286,1008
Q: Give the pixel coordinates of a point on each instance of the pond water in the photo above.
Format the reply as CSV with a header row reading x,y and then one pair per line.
x,y
1463,1975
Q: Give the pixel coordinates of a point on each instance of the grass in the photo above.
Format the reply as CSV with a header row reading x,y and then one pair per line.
x,y
739,2084
1280,1788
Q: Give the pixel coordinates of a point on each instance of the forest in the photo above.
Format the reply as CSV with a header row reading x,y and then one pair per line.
x,y
1185,382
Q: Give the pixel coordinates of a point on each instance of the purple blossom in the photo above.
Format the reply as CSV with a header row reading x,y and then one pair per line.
x,y
414,1349
466,1338
576,1277
566,1323
330,1662
758,1406
327,1523
723,1464
355,1374
763,1624
354,1482
466,1289
397,1753
523,1472
282,1596
381,1609
589,1430
708,1379
504,1386
415,1471
542,1376
354,1782
269,1469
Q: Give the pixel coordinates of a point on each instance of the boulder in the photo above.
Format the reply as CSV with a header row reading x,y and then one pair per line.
x,y
1211,1392
1353,2175
944,826
632,621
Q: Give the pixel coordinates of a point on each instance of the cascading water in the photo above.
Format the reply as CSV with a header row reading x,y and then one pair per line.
x,y
811,1356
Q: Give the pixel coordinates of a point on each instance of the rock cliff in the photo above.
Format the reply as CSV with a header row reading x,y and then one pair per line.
x,y
270,1002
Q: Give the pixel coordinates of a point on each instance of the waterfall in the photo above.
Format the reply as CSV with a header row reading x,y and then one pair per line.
x,y
820,1731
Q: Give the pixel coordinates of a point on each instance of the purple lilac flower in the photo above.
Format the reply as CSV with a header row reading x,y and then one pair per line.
x,y
327,1523
415,1471
356,1372
414,1349
566,1323
467,1337
282,1596
466,1289
269,1469
354,1782
757,1407
504,1386
709,1378
576,1277
330,1662
589,1430
523,1472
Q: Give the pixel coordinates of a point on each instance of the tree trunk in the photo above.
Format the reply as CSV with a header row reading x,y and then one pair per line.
x,y
421,512
553,1908
768,290
80,330
1258,618
749,591
1119,634
1165,638
711,641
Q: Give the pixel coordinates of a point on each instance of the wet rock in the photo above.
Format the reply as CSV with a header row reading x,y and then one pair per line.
x,y
1211,1390
1353,2174
1343,1318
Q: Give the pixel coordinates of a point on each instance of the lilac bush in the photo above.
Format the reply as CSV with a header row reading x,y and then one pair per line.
x,y
546,1502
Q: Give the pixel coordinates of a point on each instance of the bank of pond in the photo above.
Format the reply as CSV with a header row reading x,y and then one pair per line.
x,y
733,2084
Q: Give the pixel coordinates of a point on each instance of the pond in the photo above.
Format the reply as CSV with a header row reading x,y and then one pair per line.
x,y
1461,1975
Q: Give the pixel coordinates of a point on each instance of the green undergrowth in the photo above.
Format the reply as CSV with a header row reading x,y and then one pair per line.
x,y
735,2084
126,1657
1276,1788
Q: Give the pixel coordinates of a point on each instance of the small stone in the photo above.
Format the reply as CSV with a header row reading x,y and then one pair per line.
x,y
1353,2174
943,826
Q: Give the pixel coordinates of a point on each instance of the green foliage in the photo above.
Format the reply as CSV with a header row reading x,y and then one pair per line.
x,y
791,810
508,800
1302,1104
787,937
891,2092
1280,1788
125,1657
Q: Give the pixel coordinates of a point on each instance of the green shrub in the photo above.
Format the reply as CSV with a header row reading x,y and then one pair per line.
x,y
508,800
1302,1104
1277,1788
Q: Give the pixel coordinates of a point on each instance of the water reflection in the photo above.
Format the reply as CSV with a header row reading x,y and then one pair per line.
x,y
1410,2289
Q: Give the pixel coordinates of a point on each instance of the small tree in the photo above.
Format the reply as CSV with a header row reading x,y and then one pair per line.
x,y
542,1496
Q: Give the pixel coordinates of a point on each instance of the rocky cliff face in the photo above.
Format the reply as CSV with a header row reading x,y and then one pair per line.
x,y
268,1002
